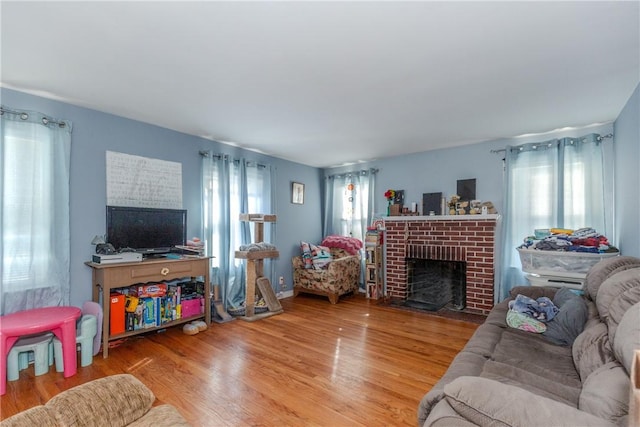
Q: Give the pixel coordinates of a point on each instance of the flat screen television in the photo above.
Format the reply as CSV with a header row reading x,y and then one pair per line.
x,y
148,231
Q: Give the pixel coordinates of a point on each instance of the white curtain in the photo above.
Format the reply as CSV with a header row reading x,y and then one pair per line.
x,y
557,183
348,206
231,187
349,202
34,214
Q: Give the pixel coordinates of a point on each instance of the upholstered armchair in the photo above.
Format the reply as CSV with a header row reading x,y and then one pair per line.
x,y
340,276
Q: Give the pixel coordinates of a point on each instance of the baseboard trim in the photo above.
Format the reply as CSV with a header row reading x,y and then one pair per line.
x,y
285,294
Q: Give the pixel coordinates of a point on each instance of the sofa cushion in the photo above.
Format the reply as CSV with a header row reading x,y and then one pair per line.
x,y
592,349
121,399
490,403
570,320
616,295
627,337
605,268
605,393
39,416
523,358
543,382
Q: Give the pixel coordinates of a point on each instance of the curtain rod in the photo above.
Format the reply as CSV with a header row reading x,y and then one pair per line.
x,y
600,138
372,170
24,115
208,154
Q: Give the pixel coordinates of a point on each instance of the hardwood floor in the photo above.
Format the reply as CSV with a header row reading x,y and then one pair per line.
x,y
351,364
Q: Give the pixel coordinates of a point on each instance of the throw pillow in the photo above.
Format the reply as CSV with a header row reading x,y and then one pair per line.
x,y
350,244
320,256
570,320
306,255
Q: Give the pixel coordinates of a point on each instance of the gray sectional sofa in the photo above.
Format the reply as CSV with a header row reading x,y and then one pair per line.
x,y
508,377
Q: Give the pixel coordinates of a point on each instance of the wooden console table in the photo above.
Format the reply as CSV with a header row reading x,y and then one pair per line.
x,y
107,277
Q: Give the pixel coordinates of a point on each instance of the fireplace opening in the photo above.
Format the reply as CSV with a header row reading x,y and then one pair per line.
x,y
434,284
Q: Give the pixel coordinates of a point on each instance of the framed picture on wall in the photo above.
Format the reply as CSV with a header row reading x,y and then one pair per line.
x,y
297,193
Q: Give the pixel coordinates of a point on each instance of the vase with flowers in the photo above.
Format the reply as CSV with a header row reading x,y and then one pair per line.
x,y
389,195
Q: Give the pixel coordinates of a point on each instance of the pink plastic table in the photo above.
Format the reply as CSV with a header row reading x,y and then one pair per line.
x,y
59,320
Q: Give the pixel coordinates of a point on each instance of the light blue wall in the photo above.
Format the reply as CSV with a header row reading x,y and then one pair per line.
x,y
438,171
627,176
430,171
94,133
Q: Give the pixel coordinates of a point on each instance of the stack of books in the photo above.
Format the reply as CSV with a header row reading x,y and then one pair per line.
x,y
372,238
194,246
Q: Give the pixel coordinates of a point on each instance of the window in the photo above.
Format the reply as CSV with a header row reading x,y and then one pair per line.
x,y
559,183
233,187
35,211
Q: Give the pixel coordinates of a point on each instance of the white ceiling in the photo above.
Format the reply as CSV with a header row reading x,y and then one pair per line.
x,y
328,83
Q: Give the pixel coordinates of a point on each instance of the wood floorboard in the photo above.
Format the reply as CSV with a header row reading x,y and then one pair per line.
x,y
356,363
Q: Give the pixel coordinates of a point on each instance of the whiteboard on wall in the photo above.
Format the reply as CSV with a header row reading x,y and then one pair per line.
x,y
143,182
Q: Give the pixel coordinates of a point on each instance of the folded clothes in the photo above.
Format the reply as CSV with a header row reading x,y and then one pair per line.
x,y
585,232
524,323
541,309
586,240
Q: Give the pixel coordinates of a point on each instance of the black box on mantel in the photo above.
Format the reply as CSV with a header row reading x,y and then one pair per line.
x,y
432,202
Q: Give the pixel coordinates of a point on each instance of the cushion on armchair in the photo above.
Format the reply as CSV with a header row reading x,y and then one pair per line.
x,y
350,244
315,256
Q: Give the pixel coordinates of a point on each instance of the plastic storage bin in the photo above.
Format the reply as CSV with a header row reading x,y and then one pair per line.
x,y
560,264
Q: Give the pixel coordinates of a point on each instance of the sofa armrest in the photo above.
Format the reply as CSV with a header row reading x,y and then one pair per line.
x,y
534,292
443,415
487,402
161,415
121,399
297,262
346,260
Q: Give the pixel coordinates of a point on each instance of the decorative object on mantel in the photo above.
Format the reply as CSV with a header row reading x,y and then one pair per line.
x,y
390,196
466,189
489,208
475,207
453,204
432,204
398,199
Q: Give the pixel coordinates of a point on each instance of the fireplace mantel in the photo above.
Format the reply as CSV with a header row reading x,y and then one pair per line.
x,y
468,238
441,217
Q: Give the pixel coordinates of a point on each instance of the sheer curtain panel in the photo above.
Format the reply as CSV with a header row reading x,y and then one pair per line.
x,y
349,202
231,187
558,183
34,198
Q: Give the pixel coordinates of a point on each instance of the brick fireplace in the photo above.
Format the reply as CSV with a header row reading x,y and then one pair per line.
x,y
469,238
